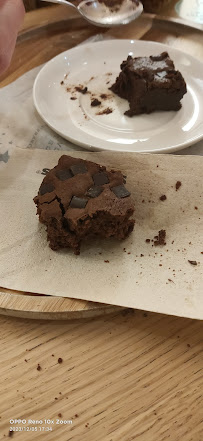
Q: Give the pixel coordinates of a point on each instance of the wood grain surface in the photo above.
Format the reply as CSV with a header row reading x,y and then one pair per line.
x,y
126,376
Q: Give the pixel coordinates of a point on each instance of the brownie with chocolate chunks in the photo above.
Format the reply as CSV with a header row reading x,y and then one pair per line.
x,y
149,84
78,199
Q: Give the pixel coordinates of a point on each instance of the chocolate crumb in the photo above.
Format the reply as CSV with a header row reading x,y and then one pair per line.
x,y
160,264
196,208
163,197
188,345
106,261
147,240
95,102
76,415
60,415
178,185
141,255
105,111
157,166
60,360
161,238
39,367
52,355
73,98
56,398
81,89
25,360
170,280
10,433
192,262
129,253
104,96
62,82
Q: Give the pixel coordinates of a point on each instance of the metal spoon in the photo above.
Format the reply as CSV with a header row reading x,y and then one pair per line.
x,y
101,15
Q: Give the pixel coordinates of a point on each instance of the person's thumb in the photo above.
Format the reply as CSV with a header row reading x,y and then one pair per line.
x,y
11,17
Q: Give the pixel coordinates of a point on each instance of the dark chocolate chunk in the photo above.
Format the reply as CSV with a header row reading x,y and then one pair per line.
x,y
78,202
78,168
94,192
46,188
120,191
63,175
95,102
159,57
100,178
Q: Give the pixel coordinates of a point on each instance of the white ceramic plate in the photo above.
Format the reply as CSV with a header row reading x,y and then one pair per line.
x,y
89,65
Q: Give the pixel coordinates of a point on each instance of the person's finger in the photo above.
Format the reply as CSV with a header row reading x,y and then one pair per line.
x,y
11,17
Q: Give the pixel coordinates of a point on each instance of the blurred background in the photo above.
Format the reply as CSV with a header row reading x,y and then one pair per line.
x,y
149,5
191,10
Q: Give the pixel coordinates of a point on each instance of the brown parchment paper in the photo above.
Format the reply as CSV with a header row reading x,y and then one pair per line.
x,y
137,274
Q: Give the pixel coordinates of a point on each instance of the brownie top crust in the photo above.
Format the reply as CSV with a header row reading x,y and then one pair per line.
x,y
159,69
80,188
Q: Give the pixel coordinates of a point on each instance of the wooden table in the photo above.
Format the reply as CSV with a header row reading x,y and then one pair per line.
x,y
127,376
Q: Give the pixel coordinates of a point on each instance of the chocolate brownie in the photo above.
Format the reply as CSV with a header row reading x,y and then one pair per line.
x,y
78,199
149,84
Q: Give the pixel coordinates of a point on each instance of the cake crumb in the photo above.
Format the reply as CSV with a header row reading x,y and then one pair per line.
x,y
95,102
60,360
163,197
106,261
39,367
196,208
178,185
161,238
192,262
147,240
81,89
59,414
62,82
170,280
105,111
